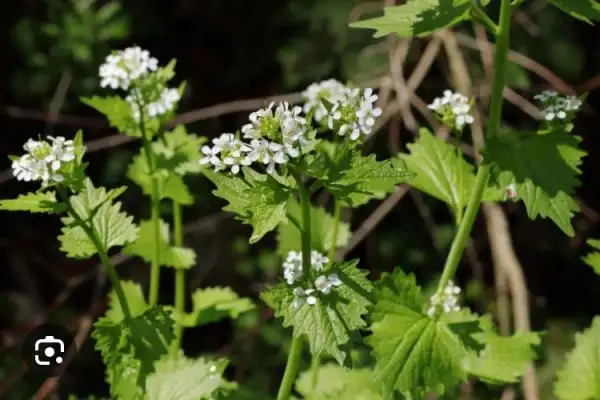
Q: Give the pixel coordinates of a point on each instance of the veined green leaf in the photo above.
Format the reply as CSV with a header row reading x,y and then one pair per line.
x,y
417,17
179,151
584,10
118,112
336,382
593,258
40,202
213,304
135,300
544,168
331,323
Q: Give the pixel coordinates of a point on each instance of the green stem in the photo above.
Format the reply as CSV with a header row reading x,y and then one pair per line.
x,y
179,276
493,128
291,369
485,20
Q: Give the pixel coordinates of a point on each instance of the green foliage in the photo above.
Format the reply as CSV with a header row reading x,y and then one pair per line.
x,y
440,172
130,349
135,300
354,179
96,212
330,325
414,354
171,256
213,304
178,151
544,168
335,382
418,17
578,379
584,10
40,202
321,230
118,112
257,200
184,379
593,258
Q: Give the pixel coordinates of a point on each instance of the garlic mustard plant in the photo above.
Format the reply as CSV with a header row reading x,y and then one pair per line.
x,y
268,172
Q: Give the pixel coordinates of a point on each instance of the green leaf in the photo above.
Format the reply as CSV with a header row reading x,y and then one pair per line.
x,y
130,349
135,300
544,168
578,379
354,179
179,151
118,112
417,17
170,256
441,173
184,379
40,202
213,304
96,208
414,354
593,259
259,200
335,382
584,10
504,358
330,325
321,230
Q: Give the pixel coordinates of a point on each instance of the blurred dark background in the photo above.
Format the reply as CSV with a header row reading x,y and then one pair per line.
x,y
232,50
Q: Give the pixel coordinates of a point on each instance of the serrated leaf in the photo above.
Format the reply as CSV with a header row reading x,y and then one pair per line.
x,y
41,202
321,230
171,256
131,348
331,324
118,112
504,358
213,304
354,179
179,151
336,382
584,10
544,169
96,208
593,258
183,379
258,201
135,300
440,173
414,354
417,17
578,379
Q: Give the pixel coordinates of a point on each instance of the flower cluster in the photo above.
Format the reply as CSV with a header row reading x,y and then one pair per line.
x,y
558,107
329,90
274,135
453,108
292,272
124,66
44,160
354,115
125,69
447,300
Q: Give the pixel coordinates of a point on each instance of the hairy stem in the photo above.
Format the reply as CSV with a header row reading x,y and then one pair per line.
x,y
493,128
179,276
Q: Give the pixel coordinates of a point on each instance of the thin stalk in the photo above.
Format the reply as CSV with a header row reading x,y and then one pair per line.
x,y
179,276
291,369
493,128
485,20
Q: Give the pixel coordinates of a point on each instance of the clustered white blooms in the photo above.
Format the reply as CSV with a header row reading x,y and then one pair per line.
x,y
44,160
274,135
557,107
354,115
330,90
455,106
124,66
324,283
447,300
166,102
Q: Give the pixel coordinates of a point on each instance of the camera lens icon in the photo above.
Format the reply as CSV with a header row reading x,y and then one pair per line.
x,y
46,348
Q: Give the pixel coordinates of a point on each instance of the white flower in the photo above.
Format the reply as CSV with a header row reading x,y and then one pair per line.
x,y
355,114
43,160
330,90
557,107
124,66
302,296
511,191
455,106
227,152
324,283
318,260
166,102
447,301
292,267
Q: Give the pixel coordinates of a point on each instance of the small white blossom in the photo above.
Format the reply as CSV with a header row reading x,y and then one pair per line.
x,y
455,106
302,296
318,260
447,301
43,160
124,66
325,283
166,102
511,191
227,152
292,267
330,90
354,115
557,107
